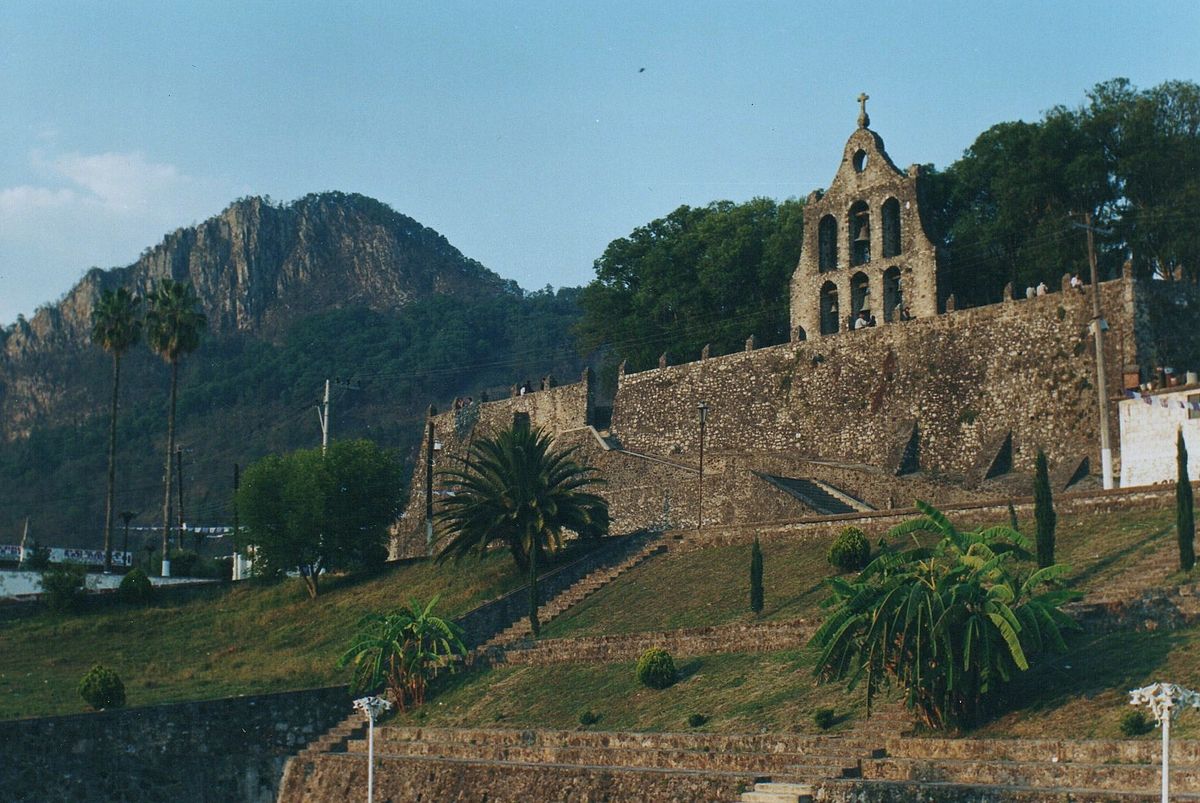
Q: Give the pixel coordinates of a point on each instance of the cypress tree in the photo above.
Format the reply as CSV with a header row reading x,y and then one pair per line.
x,y
1012,517
756,577
1185,520
1043,512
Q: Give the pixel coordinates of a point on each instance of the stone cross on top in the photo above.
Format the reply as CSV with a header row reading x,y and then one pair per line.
x,y
863,119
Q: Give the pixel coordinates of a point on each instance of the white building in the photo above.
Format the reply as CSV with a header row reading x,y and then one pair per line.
x,y
1149,424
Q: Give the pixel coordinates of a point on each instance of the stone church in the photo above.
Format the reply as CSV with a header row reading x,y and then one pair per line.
x,y
885,394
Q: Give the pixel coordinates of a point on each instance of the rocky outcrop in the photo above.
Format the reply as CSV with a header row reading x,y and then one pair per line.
x,y
256,268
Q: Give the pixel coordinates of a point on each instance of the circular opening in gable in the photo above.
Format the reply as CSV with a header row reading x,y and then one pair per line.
x,y
860,161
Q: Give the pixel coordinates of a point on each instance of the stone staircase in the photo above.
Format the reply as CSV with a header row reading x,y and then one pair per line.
x,y
772,792
821,497
336,738
573,595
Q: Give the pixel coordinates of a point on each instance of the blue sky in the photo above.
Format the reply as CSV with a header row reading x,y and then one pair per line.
x,y
527,133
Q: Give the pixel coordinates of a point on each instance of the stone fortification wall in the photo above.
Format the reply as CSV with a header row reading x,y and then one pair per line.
x,y
329,777
227,750
555,409
965,380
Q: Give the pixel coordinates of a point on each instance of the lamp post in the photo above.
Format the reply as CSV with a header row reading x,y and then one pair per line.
x,y
372,707
702,409
1165,701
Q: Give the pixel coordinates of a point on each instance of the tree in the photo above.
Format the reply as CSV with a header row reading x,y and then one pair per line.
x,y
316,513
116,327
949,623
514,488
716,273
403,650
1043,512
1185,519
174,326
756,577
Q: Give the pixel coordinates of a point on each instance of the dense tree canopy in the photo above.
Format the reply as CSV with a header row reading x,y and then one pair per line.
x,y
713,274
314,512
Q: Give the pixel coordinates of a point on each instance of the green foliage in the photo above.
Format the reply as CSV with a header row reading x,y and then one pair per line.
x,y
850,550
63,586
101,688
1135,723
135,587
824,718
696,720
588,718
174,322
1043,512
37,557
403,650
656,668
950,624
516,489
756,577
1185,518
319,512
711,274
1012,518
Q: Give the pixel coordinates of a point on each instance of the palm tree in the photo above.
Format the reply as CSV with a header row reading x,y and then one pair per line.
x,y
174,325
403,650
116,326
515,489
949,623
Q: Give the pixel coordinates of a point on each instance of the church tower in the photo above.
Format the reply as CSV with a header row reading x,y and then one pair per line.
x,y
864,245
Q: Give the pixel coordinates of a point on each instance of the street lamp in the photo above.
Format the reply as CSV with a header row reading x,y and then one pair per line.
x,y
372,707
702,409
1165,701
1099,326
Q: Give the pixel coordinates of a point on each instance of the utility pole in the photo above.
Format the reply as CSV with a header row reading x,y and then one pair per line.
x,y
236,485
127,516
1099,325
323,415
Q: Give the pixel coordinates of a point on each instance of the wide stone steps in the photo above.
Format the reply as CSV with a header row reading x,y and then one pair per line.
x,y
571,596
334,740
1031,773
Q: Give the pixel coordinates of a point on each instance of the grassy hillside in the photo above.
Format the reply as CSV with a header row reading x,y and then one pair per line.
x,y
254,638
225,640
711,586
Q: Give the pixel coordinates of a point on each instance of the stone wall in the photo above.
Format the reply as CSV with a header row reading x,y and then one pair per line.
x,y
688,641
215,750
965,380
330,777
555,409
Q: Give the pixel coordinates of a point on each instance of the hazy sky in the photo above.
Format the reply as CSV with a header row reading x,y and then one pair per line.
x,y
529,134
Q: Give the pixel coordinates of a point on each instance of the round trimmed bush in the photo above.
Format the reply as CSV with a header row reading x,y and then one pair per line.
x,y
102,688
135,587
850,550
1135,723
656,668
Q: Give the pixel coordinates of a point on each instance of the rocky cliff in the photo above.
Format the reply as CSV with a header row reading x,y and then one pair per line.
x,y
256,267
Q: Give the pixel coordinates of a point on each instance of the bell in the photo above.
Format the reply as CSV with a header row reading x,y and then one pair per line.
x,y
864,234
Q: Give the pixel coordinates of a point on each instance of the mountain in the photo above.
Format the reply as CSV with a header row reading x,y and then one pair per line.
x,y
332,286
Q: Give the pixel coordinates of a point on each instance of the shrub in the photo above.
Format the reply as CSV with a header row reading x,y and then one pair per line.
x,y
61,584
588,718
37,557
696,720
101,688
135,587
1135,723
850,550
756,577
1043,512
824,718
656,668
